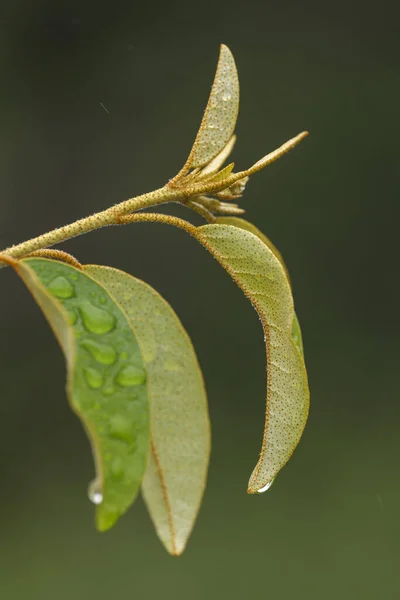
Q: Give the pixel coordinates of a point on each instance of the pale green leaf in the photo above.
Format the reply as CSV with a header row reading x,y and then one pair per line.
x,y
219,175
106,378
217,162
180,433
243,224
220,115
260,274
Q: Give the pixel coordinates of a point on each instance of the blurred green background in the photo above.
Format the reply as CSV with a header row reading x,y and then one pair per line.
x,y
330,526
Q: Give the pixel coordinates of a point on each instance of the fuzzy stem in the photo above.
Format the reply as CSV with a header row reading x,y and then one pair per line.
x,y
169,193
96,221
158,218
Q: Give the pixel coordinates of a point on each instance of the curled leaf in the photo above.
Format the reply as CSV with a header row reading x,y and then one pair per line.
x,y
106,377
258,271
180,432
219,119
243,224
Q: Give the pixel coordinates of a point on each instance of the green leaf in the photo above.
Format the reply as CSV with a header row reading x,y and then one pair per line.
x,y
180,432
106,378
259,272
220,116
216,163
243,224
296,335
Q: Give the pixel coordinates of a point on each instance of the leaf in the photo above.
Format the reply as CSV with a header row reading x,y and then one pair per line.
x,y
220,116
220,175
106,378
216,163
180,433
257,270
243,224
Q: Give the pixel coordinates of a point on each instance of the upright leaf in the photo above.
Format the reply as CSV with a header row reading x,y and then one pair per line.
x,y
106,379
180,433
257,270
220,116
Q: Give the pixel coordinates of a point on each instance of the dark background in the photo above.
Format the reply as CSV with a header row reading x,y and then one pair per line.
x,y
330,526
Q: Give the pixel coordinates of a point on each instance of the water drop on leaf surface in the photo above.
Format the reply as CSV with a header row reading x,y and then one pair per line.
x,y
130,376
102,353
61,288
96,320
121,428
94,378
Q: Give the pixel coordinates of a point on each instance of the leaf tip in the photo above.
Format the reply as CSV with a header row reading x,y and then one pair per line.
x,y
254,488
105,519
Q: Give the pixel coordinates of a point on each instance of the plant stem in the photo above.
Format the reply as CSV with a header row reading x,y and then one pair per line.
x,y
96,221
187,191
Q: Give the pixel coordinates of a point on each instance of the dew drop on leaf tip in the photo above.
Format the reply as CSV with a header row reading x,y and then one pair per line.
x,y
265,487
94,493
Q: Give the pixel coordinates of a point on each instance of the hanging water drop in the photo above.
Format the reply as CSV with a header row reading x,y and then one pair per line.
x,y
266,487
94,492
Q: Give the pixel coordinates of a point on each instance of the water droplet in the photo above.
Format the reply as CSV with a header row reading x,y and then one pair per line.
x,y
94,378
61,288
74,276
102,353
123,355
130,376
72,317
226,96
117,468
96,320
94,492
108,390
121,428
172,365
266,487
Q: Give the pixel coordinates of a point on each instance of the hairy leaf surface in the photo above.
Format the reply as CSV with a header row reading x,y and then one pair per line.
x,y
180,433
106,378
258,271
243,224
220,115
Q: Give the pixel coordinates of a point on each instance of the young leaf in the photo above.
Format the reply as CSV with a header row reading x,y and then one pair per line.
x,y
260,274
106,379
220,116
180,433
